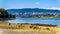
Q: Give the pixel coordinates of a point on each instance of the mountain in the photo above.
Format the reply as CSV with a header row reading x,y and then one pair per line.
x,y
33,11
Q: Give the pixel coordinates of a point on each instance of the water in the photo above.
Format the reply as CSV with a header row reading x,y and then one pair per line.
x,y
54,21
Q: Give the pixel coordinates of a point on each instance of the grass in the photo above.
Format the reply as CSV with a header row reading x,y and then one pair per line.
x,y
29,28
50,17
56,16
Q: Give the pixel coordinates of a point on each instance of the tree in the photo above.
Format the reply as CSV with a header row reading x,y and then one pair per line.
x,y
4,14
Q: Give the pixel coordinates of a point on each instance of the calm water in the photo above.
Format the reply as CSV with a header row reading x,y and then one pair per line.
x,y
55,21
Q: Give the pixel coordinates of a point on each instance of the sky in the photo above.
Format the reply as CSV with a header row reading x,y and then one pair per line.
x,y
8,4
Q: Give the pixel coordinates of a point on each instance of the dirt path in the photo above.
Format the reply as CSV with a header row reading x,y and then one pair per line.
x,y
10,31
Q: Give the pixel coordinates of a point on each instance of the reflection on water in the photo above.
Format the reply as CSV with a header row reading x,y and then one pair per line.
x,y
55,21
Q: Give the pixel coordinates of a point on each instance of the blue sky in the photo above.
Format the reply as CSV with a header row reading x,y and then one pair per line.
x,y
30,3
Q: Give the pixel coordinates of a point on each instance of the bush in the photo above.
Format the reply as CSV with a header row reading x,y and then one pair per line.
x,y
47,28
31,26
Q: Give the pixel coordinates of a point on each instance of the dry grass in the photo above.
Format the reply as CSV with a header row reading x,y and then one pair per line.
x,y
29,29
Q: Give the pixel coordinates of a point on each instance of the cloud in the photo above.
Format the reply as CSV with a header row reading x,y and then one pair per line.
x,y
53,8
37,3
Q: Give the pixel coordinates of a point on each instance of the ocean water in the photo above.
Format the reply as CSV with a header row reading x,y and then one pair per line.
x,y
53,21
